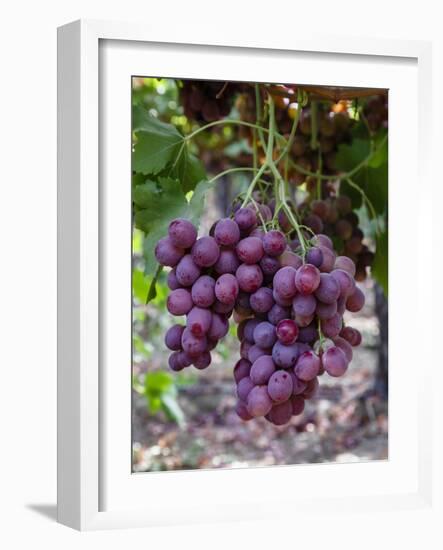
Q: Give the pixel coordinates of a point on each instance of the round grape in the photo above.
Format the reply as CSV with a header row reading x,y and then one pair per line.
x,y
249,277
274,243
245,218
227,232
328,290
280,414
356,301
244,387
280,386
298,404
307,279
284,282
262,369
167,253
307,366
219,327
179,302
226,288
187,272
199,320
259,403
304,305
334,361
173,337
203,291
261,301
250,250
287,331
205,251
264,334
241,369
285,356
182,233
193,345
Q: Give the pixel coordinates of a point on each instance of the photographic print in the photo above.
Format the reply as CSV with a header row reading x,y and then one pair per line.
x,y
259,274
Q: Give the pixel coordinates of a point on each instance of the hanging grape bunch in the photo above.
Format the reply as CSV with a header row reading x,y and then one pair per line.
x,y
285,269
289,307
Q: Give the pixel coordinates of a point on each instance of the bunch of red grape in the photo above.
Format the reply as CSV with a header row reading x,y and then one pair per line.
x,y
334,217
206,101
289,307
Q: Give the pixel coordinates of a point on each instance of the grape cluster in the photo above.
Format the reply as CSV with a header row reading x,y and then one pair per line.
x,y
289,308
207,101
334,217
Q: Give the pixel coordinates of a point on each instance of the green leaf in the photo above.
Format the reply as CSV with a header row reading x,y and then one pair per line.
x,y
197,202
139,285
152,292
372,178
380,267
158,382
189,171
158,144
172,409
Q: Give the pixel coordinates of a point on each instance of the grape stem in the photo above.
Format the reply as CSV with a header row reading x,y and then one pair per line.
x,y
233,170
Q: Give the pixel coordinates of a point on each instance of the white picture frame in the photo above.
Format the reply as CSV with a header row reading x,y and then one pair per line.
x,y
96,489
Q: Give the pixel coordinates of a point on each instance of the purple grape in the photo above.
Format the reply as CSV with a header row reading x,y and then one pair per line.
x,y
341,305
249,329
303,320
278,313
243,301
328,262
332,327
280,413
173,337
227,262
226,288
274,243
192,345
262,301
249,277
264,334
182,233
356,301
245,346
219,327
284,282
298,386
166,253
345,346
304,305
307,334
345,263
172,280
203,294
259,403
287,331
186,271
250,250
212,344
179,302
227,232
265,212
257,232
307,366
298,404
205,251
199,320
351,335
262,369
174,361
255,352
241,369
242,411
224,309
285,356
279,300
314,256
326,311
328,290
269,265
245,218
334,361
345,282
311,389
280,386
290,259
202,361
313,222
322,240
307,279
244,387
